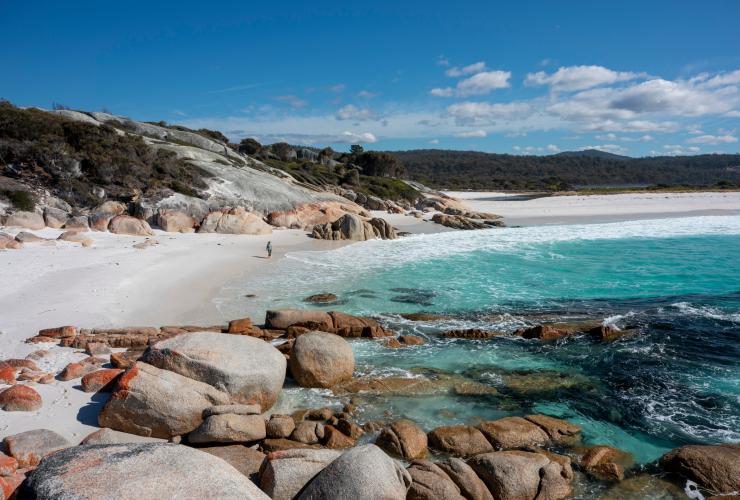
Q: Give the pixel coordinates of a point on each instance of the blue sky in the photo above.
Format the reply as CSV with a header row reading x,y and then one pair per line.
x,y
636,78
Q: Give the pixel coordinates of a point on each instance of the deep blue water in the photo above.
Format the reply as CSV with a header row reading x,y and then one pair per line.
x,y
674,283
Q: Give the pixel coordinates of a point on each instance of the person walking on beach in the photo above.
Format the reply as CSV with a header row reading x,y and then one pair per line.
x,y
269,249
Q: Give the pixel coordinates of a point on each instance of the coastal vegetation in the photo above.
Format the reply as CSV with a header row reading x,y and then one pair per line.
x,y
446,169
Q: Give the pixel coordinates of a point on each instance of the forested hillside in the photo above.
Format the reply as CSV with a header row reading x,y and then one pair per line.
x,y
475,170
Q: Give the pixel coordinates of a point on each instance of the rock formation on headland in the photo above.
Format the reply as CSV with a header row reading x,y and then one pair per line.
x,y
186,416
95,171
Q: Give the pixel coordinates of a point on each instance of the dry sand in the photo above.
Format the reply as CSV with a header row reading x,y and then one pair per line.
x,y
522,210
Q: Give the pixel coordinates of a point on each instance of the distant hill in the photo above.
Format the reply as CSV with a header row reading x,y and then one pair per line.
x,y
446,169
594,153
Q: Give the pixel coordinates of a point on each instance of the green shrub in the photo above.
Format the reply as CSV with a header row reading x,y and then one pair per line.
x,y
21,200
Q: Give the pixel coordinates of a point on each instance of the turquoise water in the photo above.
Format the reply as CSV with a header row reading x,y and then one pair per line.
x,y
674,282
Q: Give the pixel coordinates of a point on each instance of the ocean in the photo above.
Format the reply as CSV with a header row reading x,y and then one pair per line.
x,y
673,284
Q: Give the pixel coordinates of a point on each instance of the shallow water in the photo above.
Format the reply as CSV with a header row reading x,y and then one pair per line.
x,y
675,283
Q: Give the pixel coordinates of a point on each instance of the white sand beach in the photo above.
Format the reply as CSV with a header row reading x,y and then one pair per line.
x,y
175,282
524,210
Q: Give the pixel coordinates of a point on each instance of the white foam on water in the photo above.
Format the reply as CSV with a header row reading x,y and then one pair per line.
x,y
386,253
688,309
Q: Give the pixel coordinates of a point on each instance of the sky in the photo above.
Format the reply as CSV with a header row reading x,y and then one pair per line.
x,y
628,77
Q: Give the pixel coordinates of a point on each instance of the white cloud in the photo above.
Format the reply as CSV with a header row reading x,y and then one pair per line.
x,y
471,133
733,114
466,113
443,61
442,91
471,68
571,78
720,80
479,84
338,88
552,148
483,83
366,94
351,112
293,101
676,150
712,139
434,141
614,137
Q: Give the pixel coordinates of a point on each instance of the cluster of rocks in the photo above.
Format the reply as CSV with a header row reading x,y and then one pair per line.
x,y
546,331
457,218
188,415
353,227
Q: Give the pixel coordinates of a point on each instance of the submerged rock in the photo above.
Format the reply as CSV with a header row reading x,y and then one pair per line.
x,y
605,462
145,470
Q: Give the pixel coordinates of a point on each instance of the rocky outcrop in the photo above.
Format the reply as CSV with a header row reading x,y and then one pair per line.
x,y
20,398
100,380
229,428
604,462
54,217
353,227
125,224
109,436
308,215
280,426
174,221
27,220
467,221
248,369
142,470
364,472
714,467
321,359
430,482
30,447
244,459
459,440
234,221
512,433
558,430
341,324
515,475
285,473
151,402
404,439
471,486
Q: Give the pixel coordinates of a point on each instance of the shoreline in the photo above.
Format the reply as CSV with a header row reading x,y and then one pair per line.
x,y
113,284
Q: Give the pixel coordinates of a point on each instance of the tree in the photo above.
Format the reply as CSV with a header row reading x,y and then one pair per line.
x,y
283,151
249,146
326,153
378,164
356,150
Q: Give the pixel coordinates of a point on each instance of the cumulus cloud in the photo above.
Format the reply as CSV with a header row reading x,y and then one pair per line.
x,y
552,148
614,137
466,70
442,91
467,113
572,78
434,141
676,150
479,84
351,112
712,139
471,134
